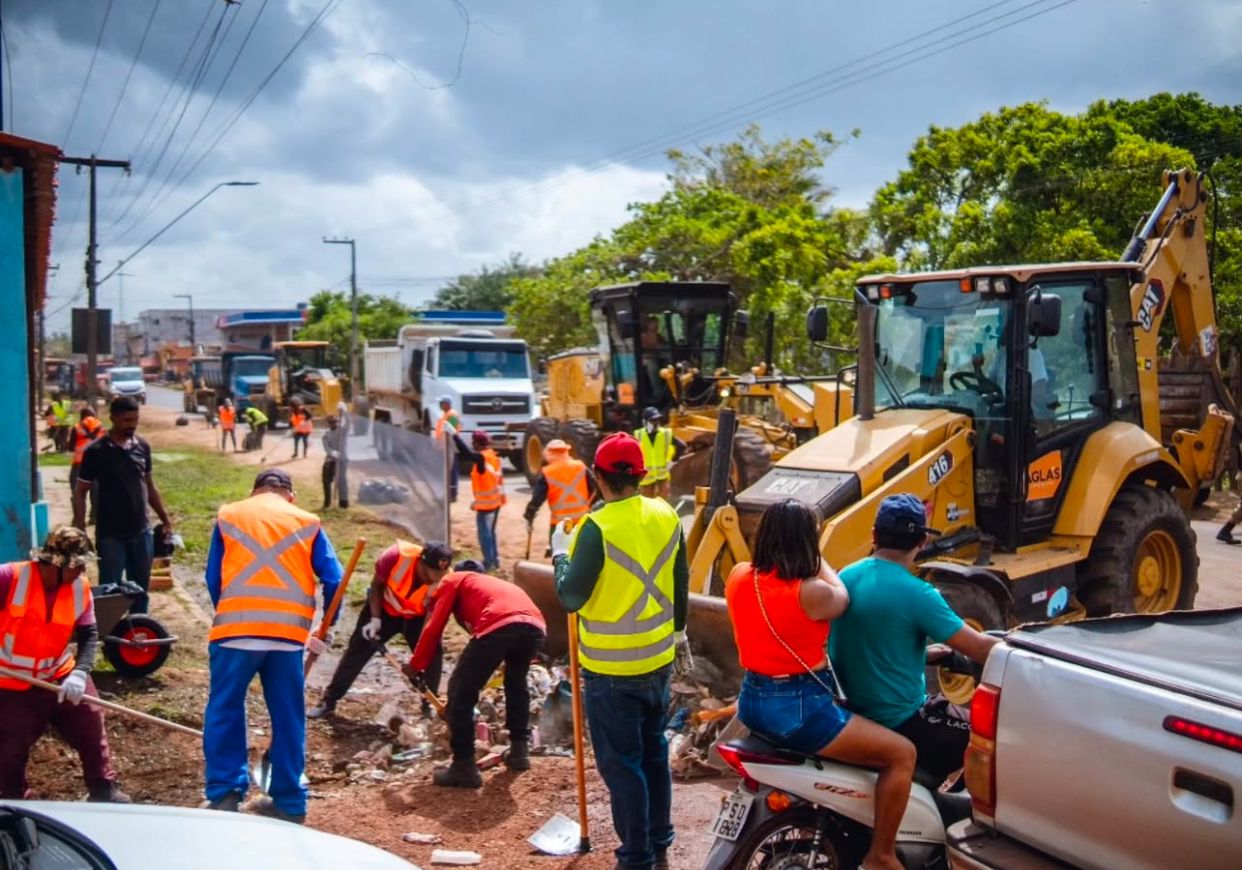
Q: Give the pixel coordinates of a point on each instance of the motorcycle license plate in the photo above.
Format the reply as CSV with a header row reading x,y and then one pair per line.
x,y
734,809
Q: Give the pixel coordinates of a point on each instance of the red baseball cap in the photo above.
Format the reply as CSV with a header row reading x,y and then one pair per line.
x,y
620,452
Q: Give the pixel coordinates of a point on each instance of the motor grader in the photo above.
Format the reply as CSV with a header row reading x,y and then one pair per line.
x,y
1023,404
665,344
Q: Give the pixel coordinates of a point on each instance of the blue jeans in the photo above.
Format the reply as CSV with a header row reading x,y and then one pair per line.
x,y
485,522
627,716
796,712
129,556
224,723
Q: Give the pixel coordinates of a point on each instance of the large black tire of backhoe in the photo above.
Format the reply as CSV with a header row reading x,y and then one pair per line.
x,y
582,436
540,431
979,609
1138,514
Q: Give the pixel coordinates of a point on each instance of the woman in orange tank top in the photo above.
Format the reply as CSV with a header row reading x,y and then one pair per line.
x,y
781,605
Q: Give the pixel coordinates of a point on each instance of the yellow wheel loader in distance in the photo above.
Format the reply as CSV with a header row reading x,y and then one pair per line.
x,y
665,344
301,371
1022,404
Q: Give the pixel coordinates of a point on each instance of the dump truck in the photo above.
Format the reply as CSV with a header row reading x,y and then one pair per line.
x,y
666,344
1023,405
238,375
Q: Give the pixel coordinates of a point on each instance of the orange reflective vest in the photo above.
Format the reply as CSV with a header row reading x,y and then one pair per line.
x,y
301,423
267,586
488,485
569,497
402,598
448,418
33,639
228,419
85,434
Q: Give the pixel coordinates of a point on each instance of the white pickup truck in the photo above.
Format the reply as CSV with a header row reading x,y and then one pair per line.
x,y
1110,743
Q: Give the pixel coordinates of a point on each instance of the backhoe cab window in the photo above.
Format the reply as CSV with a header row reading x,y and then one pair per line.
x,y
939,347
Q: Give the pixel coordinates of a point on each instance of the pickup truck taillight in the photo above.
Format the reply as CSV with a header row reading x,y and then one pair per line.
x,y
1203,733
980,762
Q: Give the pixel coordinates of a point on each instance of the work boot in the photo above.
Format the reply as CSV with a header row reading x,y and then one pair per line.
x,y
518,755
459,774
265,806
108,794
230,803
322,709
1225,535
661,862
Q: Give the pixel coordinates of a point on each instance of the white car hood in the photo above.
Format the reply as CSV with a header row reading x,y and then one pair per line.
x,y
128,385
138,837
487,386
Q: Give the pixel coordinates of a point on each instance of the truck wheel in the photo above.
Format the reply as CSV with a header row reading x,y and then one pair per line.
x,y
135,661
540,431
583,436
978,609
1143,559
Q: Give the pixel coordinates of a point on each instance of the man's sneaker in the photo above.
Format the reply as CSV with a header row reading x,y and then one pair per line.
x,y
108,794
320,710
230,803
459,775
518,755
265,806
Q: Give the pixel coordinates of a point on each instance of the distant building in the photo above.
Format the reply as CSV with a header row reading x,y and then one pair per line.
x,y
156,327
259,330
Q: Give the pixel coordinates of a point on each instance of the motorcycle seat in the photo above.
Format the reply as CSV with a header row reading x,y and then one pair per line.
x,y
762,746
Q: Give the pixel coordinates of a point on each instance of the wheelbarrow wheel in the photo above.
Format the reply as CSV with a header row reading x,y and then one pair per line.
x,y
137,661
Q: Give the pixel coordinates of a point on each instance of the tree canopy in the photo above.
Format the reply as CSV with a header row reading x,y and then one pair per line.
x,y
329,319
488,289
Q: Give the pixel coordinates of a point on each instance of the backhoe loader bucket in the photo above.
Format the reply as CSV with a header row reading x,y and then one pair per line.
x,y
709,629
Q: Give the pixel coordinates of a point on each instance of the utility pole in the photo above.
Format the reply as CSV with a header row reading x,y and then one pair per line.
x,y
120,309
92,247
353,310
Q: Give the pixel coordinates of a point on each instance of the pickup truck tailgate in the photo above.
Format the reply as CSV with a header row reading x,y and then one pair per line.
x,y
1085,762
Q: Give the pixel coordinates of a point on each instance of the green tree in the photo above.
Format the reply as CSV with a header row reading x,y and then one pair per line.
x,y
329,319
488,289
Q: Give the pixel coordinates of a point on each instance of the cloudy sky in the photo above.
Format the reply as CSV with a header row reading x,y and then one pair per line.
x,y
443,134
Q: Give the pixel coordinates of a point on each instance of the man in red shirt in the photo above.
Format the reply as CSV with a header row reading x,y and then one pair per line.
x,y
504,626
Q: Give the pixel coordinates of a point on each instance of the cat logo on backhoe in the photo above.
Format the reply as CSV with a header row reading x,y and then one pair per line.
x,y
1153,301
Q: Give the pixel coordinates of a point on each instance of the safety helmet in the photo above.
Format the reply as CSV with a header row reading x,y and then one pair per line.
x,y
555,446
651,413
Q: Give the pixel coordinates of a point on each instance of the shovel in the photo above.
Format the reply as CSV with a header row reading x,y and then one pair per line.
x,y
107,705
558,834
427,693
530,533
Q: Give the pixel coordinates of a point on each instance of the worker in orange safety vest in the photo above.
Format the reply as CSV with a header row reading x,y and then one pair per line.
x,y
302,425
451,423
487,483
46,604
265,553
228,424
88,431
565,483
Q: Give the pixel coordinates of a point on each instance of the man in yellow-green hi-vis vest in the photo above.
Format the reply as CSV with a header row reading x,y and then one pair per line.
x,y
623,570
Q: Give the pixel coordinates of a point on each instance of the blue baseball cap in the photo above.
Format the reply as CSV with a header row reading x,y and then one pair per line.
x,y
903,513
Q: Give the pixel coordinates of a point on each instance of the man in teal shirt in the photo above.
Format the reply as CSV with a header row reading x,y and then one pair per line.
x,y
878,648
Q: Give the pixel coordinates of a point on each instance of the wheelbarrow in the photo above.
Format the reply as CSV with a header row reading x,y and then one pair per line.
x,y
135,644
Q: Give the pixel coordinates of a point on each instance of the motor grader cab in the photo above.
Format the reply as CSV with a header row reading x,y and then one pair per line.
x,y
666,344
1022,404
301,371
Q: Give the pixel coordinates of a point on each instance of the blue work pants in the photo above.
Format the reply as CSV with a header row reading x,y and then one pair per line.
x,y
131,557
224,723
627,716
485,523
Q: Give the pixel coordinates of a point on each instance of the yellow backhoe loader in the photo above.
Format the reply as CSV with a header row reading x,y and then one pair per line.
x,y
301,371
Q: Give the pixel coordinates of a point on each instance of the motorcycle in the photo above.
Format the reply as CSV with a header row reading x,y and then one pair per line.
x,y
794,811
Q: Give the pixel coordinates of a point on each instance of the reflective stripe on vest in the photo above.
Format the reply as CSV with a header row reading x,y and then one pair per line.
x,y
568,499
656,453
488,486
626,627
400,597
32,640
250,604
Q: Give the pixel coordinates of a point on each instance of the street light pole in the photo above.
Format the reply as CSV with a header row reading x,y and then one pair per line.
x,y
353,310
190,298
120,310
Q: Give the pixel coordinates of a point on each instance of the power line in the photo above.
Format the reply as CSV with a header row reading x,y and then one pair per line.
x,y
90,69
125,87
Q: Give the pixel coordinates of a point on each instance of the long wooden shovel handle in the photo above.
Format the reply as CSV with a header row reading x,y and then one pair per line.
x,y
584,843
431,696
334,605
107,705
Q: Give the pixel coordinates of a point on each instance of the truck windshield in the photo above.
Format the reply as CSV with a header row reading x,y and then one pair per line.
x,y
126,374
483,360
939,347
252,366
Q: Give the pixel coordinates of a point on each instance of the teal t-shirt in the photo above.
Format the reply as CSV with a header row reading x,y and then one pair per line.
x,y
878,648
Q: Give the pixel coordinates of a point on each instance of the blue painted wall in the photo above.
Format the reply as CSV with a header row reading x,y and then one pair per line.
x,y
15,401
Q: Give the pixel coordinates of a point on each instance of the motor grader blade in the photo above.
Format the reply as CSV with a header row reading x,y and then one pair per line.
x,y
708,624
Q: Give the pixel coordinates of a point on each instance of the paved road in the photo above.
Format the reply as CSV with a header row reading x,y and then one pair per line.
x,y
1220,568
162,397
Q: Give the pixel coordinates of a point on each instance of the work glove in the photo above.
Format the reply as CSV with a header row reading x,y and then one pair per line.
x,y
73,687
561,536
371,631
683,659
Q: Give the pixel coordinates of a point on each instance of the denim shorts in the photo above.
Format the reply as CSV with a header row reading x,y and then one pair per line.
x,y
794,712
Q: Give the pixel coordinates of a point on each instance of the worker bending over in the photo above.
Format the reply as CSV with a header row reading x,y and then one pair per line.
x,y
624,572
302,425
265,554
565,483
505,628
45,604
258,426
487,484
396,604
659,448
228,424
